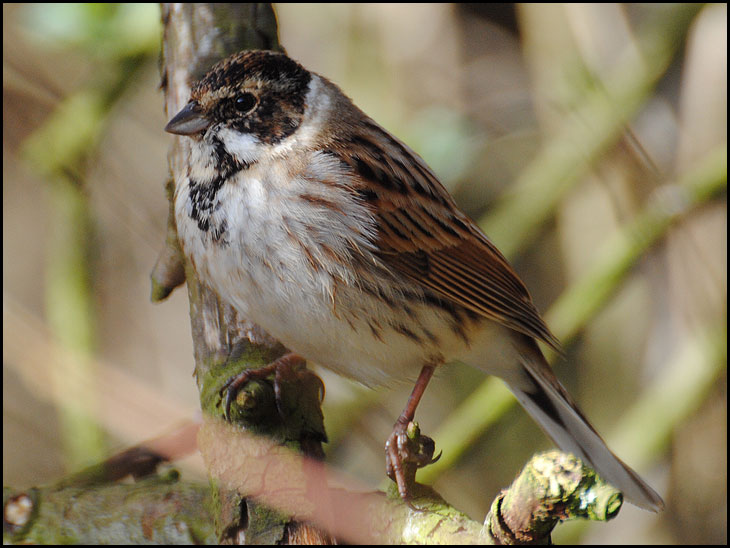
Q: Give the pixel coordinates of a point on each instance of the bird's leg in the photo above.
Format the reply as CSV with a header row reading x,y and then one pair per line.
x,y
282,368
406,449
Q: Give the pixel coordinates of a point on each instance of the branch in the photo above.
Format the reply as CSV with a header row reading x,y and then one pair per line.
x,y
552,487
162,509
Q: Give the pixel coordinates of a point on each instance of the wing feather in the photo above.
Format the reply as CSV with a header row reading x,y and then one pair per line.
x,y
422,234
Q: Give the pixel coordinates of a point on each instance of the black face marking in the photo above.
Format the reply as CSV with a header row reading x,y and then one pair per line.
x,y
225,163
203,197
202,201
262,65
245,102
277,116
263,94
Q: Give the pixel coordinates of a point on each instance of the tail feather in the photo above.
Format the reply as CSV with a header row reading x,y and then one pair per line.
x,y
542,395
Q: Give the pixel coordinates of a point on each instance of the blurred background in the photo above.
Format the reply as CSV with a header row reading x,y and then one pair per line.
x,y
589,141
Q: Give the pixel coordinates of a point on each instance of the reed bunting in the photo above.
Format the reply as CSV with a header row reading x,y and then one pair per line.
x,y
318,225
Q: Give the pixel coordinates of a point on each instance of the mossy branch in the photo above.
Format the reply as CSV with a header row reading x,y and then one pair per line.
x,y
92,507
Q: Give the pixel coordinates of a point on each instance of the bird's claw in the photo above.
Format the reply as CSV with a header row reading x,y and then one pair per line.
x,y
282,369
407,450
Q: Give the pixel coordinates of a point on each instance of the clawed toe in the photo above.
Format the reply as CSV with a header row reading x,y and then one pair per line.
x,y
230,391
280,369
406,451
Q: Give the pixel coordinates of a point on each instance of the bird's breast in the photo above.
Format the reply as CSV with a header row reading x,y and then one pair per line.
x,y
297,258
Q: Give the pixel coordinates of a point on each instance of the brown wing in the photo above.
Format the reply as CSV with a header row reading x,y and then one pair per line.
x,y
424,236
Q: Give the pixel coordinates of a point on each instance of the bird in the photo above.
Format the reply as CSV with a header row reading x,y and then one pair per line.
x,y
314,222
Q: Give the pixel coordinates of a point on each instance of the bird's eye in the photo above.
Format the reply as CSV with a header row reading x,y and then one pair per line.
x,y
245,102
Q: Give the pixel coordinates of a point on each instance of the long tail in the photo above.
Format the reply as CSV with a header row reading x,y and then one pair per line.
x,y
542,395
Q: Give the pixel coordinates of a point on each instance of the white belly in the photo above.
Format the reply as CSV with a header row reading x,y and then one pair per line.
x,y
251,254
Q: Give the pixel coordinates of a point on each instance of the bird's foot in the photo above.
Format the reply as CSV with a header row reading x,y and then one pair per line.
x,y
282,369
406,451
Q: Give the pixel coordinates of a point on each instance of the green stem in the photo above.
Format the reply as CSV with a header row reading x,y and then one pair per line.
x,y
589,130
69,309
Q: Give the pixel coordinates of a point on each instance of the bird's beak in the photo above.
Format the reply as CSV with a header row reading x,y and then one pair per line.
x,y
189,121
